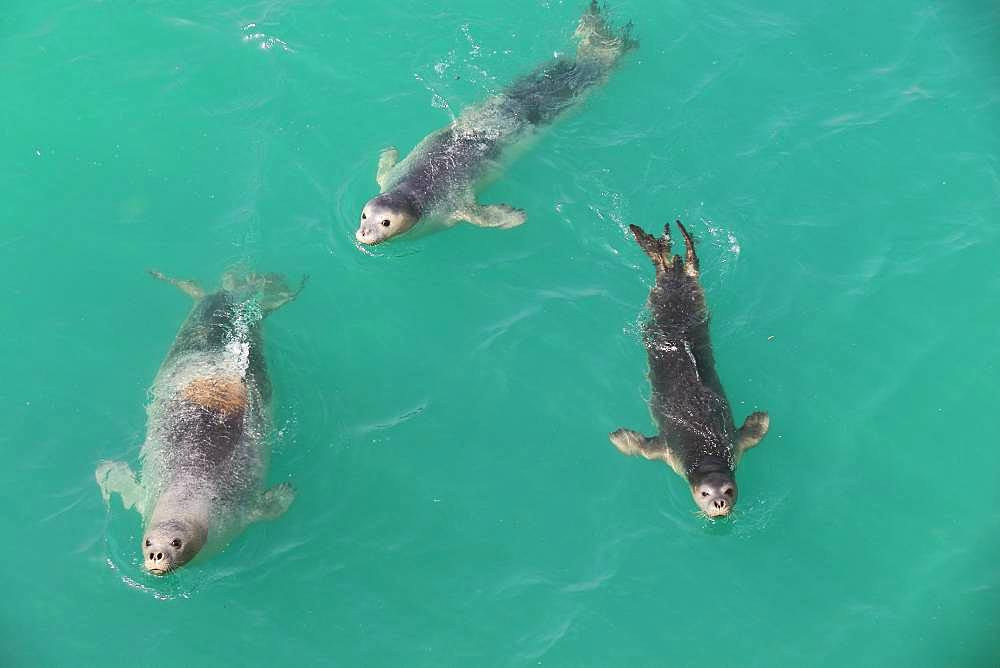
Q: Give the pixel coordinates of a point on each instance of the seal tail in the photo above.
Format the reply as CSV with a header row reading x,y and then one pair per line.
x,y
272,290
600,41
658,250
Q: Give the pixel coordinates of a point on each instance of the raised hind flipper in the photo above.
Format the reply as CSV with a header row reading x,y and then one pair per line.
x,y
658,250
691,258
271,290
387,159
495,215
190,288
117,477
631,442
274,502
599,40
276,292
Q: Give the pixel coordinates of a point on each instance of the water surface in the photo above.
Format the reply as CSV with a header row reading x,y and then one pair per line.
x,y
443,403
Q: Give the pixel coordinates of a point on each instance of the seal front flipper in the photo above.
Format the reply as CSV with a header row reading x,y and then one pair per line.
x,y
117,477
633,443
387,159
274,502
190,288
494,215
753,430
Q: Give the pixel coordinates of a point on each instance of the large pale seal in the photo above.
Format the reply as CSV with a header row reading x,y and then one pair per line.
x,y
439,177
697,438
205,457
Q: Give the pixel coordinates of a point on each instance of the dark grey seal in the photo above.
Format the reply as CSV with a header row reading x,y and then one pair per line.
x,y
439,177
205,457
698,437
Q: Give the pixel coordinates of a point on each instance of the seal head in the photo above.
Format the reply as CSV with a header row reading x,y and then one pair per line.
x,y
714,493
171,544
385,216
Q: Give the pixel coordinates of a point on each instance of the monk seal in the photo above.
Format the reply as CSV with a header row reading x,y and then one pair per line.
x,y
205,457
697,436
439,177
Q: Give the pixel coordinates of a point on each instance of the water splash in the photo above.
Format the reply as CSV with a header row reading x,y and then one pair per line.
x,y
263,40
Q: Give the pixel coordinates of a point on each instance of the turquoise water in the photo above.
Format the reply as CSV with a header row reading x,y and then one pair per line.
x,y
443,403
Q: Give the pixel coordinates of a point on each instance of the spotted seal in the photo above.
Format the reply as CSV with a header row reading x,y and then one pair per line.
x,y
439,177
697,436
205,457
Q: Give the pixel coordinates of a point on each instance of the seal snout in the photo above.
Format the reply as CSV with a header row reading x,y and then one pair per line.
x,y
158,560
718,507
171,544
715,494
384,217
364,235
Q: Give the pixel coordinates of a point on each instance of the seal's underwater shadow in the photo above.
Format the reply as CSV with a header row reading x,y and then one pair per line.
x,y
697,436
206,453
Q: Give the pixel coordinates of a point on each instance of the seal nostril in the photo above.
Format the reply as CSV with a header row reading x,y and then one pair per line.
x,y
159,555
150,556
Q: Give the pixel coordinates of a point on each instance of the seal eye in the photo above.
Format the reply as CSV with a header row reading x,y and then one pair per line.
x,y
176,542
364,216
704,493
729,492
148,542
385,223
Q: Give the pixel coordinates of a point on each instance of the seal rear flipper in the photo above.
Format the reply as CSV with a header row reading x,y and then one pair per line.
x,y
494,215
658,250
387,159
190,288
277,293
274,502
598,39
753,430
690,257
117,477
272,290
631,442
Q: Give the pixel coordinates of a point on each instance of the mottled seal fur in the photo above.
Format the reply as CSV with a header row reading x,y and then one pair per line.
x,y
205,457
439,177
697,436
